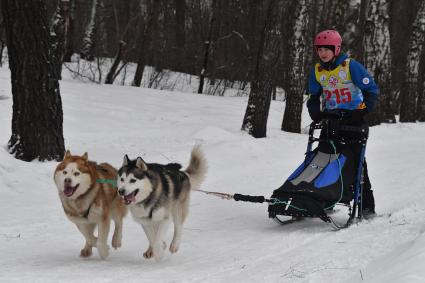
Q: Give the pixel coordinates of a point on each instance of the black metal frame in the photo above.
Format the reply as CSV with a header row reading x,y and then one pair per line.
x,y
325,124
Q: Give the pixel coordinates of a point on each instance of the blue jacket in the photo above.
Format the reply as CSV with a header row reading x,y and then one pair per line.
x,y
358,75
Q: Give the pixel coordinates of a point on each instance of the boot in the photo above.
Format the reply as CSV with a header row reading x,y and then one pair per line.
x,y
368,204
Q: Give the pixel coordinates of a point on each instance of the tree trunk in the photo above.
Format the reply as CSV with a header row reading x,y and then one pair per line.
x,y
420,108
377,58
37,108
180,36
295,84
359,48
114,71
207,45
68,18
110,77
402,17
2,46
87,48
58,34
146,45
257,111
409,91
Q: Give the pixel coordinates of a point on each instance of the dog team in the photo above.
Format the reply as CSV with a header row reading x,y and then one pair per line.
x,y
154,194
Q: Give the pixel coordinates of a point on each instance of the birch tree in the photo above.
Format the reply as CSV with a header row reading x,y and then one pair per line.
x,y
377,58
409,90
420,108
87,47
295,77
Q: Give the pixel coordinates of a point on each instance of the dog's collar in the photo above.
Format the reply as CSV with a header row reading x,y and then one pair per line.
x,y
107,181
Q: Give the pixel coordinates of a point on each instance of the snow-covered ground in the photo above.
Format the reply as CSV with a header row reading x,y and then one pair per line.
x,y
223,241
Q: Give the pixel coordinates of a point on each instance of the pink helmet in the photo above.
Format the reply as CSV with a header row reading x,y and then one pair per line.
x,y
329,37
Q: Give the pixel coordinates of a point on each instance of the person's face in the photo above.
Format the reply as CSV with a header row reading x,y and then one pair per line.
x,y
325,54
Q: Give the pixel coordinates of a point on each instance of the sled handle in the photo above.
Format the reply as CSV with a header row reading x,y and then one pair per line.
x,y
239,197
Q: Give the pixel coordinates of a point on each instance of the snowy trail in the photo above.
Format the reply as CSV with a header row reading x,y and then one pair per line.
x,y
223,241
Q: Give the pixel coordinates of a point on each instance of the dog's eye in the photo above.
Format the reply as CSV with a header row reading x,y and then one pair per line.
x,y
122,179
77,174
132,181
64,172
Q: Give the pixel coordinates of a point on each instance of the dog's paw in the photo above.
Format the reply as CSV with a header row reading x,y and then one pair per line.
x,y
86,252
174,247
148,253
158,252
103,251
116,242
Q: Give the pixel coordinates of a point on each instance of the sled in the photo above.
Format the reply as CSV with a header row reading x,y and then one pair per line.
x,y
326,178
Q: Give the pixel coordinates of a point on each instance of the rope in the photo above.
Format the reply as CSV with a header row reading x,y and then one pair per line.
x,y
333,222
287,203
259,199
217,194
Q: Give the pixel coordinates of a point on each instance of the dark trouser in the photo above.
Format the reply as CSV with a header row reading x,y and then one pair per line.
x,y
368,201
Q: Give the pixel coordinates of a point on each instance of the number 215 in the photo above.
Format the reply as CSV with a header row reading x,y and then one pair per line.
x,y
342,95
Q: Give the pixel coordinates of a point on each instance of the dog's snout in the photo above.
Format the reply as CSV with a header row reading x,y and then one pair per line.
x,y
68,181
121,192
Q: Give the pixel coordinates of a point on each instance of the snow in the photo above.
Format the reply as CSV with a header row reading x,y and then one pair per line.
x,y
223,241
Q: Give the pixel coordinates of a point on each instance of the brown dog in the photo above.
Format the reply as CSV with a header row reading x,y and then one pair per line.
x,y
89,201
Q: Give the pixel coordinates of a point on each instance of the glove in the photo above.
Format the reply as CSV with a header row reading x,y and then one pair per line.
x,y
358,115
316,116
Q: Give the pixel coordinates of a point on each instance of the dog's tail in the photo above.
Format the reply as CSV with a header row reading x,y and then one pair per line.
x,y
197,168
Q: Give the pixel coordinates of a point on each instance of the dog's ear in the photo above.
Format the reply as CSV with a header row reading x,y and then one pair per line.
x,y
125,161
85,156
141,164
67,154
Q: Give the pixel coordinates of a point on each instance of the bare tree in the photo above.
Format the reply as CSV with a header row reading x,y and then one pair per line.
x,y
58,28
87,48
257,111
68,8
2,41
409,91
295,76
208,43
147,42
122,46
37,108
377,58
401,25
420,108
180,34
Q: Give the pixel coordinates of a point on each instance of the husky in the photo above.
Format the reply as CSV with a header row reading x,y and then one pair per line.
x,y
155,193
90,201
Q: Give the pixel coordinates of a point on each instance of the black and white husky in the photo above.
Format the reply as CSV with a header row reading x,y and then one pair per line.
x,y
155,193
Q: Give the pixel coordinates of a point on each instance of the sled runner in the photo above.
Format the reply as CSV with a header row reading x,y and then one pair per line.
x,y
327,177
